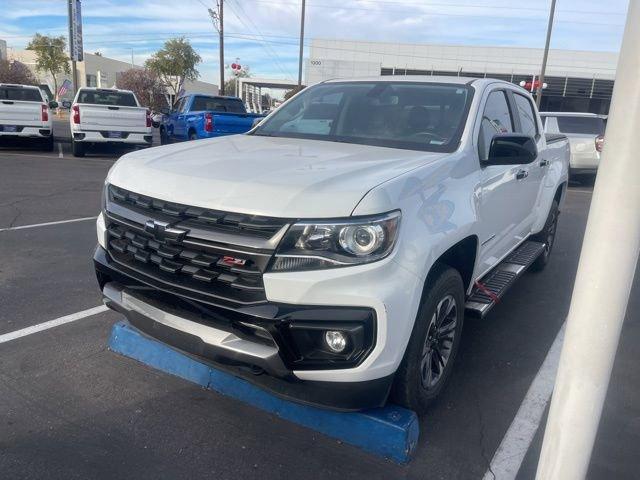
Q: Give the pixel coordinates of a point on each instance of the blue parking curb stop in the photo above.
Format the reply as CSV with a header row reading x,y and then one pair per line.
x,y
391,432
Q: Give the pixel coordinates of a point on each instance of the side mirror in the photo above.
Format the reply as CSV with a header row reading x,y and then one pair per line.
x,y
53,104
511,149
164,111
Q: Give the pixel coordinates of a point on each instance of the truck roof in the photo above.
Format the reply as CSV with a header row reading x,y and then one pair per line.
x,y
228,97
478,82
571,114
17,85
96,89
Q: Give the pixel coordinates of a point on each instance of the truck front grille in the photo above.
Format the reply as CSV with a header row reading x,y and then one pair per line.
x,y
185,256
214,220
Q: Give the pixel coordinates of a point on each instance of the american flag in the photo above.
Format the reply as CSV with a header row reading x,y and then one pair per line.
x,y
64,88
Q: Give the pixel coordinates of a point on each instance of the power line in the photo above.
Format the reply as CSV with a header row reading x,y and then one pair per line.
x,y
270,51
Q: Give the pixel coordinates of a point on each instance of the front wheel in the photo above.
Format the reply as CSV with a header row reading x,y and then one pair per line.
x,y
434,342
548,237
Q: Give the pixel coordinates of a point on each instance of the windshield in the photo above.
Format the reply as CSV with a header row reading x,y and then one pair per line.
x,y
20,94
107,97
217,104
414,116
586,125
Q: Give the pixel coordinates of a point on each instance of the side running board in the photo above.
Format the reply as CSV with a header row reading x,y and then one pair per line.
x,y
491,288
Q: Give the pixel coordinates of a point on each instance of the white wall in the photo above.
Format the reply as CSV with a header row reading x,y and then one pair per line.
x,y
343,58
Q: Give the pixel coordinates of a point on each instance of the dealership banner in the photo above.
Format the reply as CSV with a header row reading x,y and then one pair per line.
x,y
75,30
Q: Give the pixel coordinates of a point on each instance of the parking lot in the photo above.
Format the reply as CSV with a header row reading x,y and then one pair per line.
x,y
72,409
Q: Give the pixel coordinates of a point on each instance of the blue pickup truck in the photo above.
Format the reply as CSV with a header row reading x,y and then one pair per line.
x,y
196,116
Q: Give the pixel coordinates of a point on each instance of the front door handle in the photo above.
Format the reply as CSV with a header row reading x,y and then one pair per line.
x,y
522,174
544,162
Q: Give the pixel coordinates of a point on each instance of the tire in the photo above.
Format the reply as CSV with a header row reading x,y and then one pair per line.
x,y
435,337
164,138
77,149
48,144
193,135
548,237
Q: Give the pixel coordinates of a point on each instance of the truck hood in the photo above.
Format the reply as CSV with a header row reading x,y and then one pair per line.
x,y
278,177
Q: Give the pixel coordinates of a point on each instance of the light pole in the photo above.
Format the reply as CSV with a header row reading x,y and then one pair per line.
x,y
545,56
301,45
603,282
217,17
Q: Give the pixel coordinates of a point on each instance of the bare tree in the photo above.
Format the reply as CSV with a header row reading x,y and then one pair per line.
x,y
16,72
147,86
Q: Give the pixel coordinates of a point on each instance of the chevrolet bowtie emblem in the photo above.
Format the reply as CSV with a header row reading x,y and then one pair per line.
x,y
164,231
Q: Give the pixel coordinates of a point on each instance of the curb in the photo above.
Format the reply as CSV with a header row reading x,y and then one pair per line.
x,y
390,432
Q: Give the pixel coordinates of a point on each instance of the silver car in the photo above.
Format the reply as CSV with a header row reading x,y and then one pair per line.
x,y
586,137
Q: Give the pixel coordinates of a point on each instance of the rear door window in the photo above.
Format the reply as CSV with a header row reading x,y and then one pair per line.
x,y
20,94
107,97
217,104
581,125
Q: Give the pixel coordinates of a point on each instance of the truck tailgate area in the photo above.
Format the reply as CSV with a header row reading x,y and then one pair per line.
x,y
14,112
113,118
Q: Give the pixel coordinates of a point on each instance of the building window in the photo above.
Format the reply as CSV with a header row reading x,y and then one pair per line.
x,y
92,81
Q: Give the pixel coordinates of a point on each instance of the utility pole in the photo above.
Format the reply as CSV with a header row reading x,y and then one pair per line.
x,y
301,45
74,37
218,22
603,282
545,56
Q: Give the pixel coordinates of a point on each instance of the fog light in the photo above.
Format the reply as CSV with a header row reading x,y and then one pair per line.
x,y
335,340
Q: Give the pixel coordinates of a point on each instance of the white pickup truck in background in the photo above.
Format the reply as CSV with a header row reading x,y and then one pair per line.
x,y
331,253
108,116
585,132
24,113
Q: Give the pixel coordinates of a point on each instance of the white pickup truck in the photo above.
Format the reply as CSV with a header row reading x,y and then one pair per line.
x,y
108,116
24,113
331,253
585,132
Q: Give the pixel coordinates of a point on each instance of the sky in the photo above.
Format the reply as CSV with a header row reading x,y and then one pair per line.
x,y
263,34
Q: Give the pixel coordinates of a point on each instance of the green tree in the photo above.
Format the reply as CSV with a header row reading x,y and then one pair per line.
x,y
50,56
175,63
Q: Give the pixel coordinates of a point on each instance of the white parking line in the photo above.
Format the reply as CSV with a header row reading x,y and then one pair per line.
x,y
22,227
509,456
7,337
60,155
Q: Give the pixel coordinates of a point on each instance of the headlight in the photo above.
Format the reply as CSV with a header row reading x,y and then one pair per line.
x,y
316,245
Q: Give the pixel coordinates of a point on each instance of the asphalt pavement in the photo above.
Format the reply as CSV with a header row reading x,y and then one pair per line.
x,y
69,408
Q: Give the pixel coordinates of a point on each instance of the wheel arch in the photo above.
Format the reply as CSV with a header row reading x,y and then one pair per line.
x,y
461,257
560,193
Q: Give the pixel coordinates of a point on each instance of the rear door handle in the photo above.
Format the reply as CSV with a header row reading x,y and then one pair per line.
x,y
544,162
522,174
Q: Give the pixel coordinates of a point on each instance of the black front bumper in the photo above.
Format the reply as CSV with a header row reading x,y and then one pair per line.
x,y
272,372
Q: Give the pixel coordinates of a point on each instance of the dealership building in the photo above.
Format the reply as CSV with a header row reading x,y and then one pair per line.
x,y
93,71
577,81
